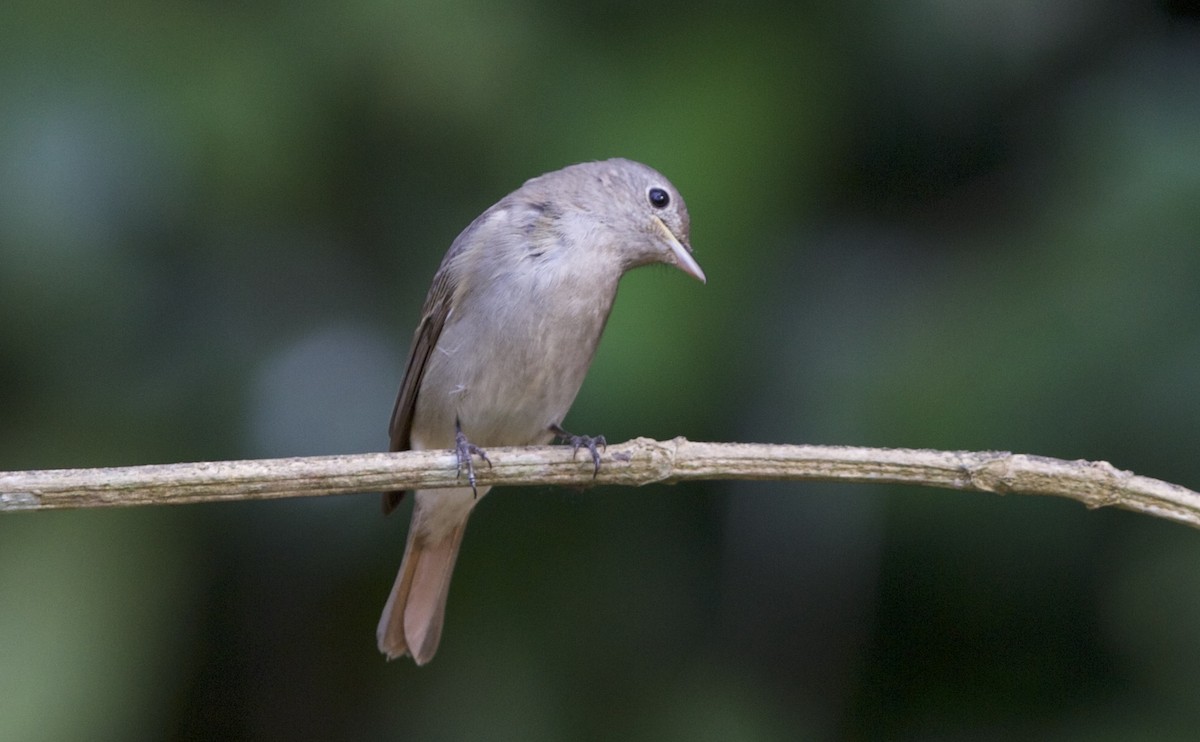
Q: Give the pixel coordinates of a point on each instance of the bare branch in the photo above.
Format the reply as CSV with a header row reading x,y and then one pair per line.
x,y
637,462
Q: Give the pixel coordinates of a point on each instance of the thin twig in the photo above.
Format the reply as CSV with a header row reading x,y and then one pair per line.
x,y
637,462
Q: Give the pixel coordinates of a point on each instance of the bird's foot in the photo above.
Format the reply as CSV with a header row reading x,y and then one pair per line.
x,y
592,443
464,450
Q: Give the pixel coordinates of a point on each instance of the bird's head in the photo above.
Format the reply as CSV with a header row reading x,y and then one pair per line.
x,y
624,209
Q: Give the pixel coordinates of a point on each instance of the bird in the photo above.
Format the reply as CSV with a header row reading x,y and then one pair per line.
x,y
506,335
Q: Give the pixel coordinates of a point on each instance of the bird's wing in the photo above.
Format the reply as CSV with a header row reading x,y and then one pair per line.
x,y
433,319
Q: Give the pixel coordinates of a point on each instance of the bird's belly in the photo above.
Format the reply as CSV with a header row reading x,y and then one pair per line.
x,y
505,381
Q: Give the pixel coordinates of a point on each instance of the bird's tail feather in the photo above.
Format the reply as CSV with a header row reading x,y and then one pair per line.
x,y
412,617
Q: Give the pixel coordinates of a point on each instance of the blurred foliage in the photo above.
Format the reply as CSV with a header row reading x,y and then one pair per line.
x,y
961,225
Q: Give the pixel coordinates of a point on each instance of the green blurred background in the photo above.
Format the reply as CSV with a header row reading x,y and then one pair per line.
x,y
966,225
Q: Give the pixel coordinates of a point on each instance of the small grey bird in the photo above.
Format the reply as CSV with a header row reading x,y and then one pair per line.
x,y
506,336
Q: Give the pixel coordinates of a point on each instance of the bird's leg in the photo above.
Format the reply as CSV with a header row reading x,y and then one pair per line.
x,y
591,443
464,449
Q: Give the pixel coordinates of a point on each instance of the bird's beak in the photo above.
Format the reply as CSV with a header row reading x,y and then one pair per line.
x,y
681,253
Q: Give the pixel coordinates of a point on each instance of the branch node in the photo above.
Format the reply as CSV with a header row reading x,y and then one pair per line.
x,y
660,458
993,475
1108,485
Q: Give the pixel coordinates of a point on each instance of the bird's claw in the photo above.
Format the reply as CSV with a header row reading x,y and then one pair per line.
x,y
464,450
592,443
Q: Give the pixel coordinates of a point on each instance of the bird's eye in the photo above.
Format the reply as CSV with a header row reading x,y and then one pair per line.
x,y
658,198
